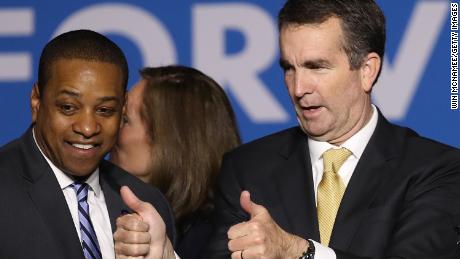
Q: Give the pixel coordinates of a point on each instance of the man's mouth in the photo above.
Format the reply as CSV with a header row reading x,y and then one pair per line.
x,y
85,147
81,146
310,112
311,108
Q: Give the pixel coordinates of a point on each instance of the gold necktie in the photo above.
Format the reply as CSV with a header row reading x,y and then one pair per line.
x,y
330,191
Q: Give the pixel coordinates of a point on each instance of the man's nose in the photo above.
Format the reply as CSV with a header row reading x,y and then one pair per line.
x,y
87,124
302,85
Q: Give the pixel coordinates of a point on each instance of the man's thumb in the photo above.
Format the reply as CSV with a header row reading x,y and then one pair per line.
x,y
245,201
131,200
249,206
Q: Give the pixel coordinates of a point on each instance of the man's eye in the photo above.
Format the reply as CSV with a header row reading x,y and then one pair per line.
x,y
67,108
286,68
317,66
106,111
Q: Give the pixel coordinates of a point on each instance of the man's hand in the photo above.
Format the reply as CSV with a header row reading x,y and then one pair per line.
x,y
261,237
142,234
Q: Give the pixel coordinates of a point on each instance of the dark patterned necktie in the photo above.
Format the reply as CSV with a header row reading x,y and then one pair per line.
x,y
88,235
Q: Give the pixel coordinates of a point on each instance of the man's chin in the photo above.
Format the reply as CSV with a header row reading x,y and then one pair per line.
x,y
316,134
80,171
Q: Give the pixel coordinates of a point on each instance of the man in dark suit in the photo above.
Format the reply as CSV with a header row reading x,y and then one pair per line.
x,y
346,183
59,197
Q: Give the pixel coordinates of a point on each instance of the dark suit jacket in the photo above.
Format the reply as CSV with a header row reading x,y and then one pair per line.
x,y
193,235
403,200
35,221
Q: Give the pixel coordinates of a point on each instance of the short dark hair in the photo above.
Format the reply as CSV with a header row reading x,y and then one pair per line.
x,y
80,44
190,124
362,22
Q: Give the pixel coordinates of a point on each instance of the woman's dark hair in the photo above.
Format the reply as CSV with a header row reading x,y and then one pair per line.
x,y
191,125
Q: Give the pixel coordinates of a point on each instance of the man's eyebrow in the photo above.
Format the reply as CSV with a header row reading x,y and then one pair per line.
x,y
316,63
69,92
283,63
100,99
108,99
307,64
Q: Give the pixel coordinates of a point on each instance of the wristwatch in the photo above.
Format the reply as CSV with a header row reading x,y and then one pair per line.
x,y
310,253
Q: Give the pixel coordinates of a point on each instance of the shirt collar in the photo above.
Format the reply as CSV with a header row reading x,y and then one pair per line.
x,y
356,144
65,180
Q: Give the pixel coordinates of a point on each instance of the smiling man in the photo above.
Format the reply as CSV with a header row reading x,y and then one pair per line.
x,y
59,197
345,183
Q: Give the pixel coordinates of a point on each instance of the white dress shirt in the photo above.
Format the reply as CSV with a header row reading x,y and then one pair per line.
x,y
356,144
97,207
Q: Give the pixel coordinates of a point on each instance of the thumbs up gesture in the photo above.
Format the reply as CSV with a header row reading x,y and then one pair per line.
x,y
261,237
141,234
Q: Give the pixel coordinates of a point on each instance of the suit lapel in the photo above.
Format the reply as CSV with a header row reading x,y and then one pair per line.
x,y
47,196
371,172
295,187
111,190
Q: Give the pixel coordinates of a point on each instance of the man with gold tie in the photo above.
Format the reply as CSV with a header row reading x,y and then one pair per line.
x,y
346,183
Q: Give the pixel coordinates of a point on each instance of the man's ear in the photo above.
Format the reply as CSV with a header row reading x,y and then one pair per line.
x,y
369,70
35,102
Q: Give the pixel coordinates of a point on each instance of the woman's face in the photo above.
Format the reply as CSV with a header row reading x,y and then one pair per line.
x,y
132,151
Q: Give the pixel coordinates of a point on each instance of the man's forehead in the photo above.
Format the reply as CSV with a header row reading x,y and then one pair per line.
x,y
102,96
316,37
57,62
330,23
80,68
78,78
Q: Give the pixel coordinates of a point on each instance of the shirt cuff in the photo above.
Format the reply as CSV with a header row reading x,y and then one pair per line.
x,y
177,256
323,252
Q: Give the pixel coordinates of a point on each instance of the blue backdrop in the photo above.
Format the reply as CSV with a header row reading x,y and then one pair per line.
x,y
236,43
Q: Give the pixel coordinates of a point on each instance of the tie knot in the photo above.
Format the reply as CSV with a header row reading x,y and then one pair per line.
x,y
81,189
333,159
